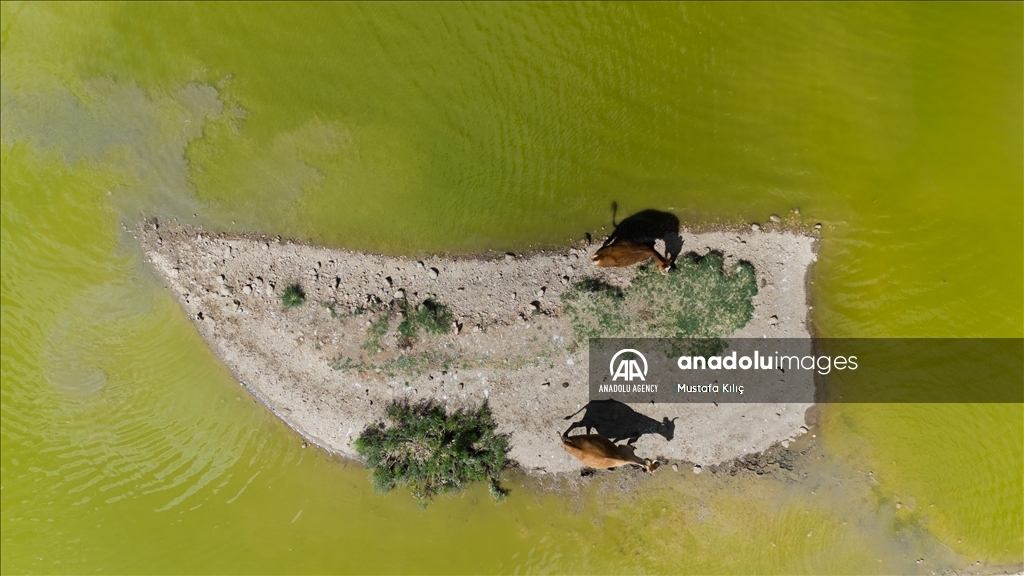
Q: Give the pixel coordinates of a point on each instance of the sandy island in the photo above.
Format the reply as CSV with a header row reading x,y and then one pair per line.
x,y
509,320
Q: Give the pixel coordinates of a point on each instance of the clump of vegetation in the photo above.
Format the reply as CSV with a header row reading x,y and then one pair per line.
x,y
697,299
430,316
293,296
433,452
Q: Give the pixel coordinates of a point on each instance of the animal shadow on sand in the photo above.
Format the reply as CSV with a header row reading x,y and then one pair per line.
x,y
617,421
647,226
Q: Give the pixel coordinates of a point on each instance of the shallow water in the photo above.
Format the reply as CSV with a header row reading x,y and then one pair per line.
x,y
127,447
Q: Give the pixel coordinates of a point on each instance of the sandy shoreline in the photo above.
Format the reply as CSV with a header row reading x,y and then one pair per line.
x,y
510,329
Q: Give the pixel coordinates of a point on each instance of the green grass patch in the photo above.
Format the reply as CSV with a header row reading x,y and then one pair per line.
x,y
293,296
431,316
433,452
698,298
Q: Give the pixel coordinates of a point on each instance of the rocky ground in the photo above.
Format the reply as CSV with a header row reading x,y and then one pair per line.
x,y
329,366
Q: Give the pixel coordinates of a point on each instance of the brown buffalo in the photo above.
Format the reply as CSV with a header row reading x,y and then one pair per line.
x,y
623,252
596,451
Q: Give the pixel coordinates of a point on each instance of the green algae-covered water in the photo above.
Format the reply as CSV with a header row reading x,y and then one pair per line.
x,y
407,128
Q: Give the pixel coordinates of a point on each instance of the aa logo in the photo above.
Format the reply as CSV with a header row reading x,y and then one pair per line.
x,y
627,368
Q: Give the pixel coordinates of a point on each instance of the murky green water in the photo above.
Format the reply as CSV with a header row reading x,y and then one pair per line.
x,y
127,447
